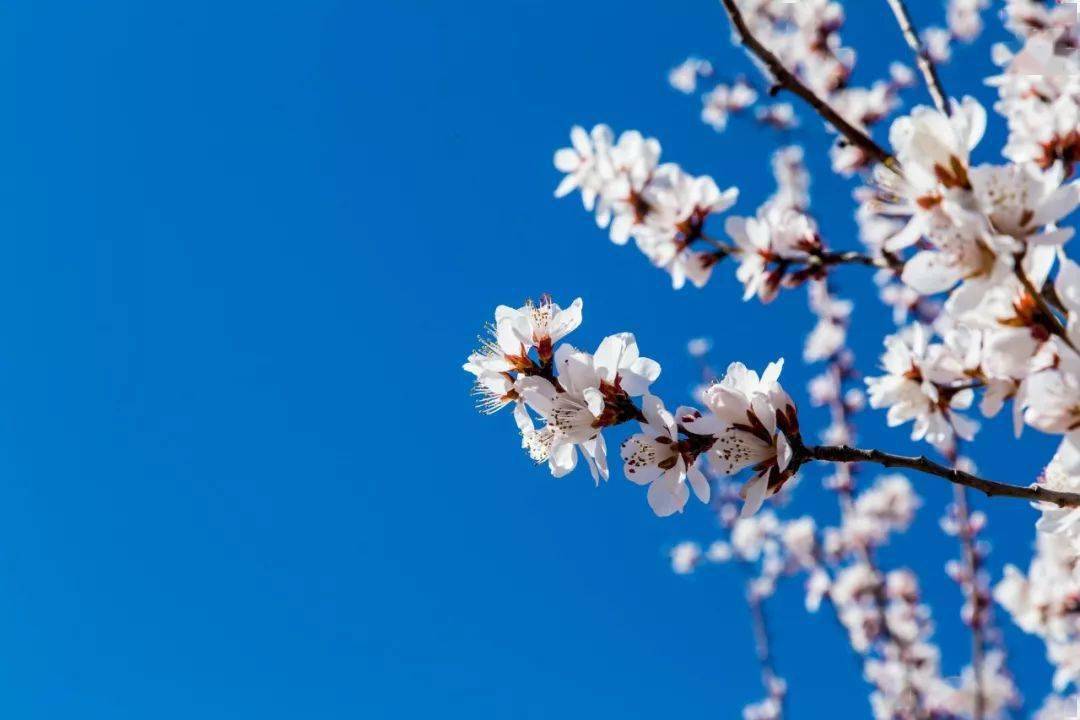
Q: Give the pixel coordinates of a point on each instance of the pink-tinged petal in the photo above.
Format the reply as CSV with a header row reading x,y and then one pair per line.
x,y
615,351
563,458
699,483
602,135
657,415
1060,203
566,186
1051,238
962,400
594,400
595,452
1039,261
997,392
522,419
784,453
764,412
637,378
621,229
580,140
964,426
513,333
772,372
695,422
907,236
727,199
666,497
575,369
928,273
538,393
975,120
567,160
1067,283
640,454
565,321
1019,401
1068,453
753,493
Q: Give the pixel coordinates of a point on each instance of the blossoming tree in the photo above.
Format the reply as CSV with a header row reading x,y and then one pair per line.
x,y
971,259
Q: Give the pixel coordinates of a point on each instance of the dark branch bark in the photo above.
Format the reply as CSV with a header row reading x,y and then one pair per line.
x,y
787,80
853,257
978,638
923,464
762,647
922,57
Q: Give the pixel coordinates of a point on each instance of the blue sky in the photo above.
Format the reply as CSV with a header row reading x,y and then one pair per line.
x,y
248,247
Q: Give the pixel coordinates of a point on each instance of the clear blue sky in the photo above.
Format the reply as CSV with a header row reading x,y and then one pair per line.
x,y
247,246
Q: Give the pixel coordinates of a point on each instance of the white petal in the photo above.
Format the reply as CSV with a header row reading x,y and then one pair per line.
x,y
565,321
1060,203
784,452
699,483
637,378
566,186
595,452
566,160
754,493
613,351
563,458
667,497
928,273
594,400
521,417
580,140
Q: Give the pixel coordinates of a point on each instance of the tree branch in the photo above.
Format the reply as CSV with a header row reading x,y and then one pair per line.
x,y
854,257
922,57
923,464
769,678
972,563
787,80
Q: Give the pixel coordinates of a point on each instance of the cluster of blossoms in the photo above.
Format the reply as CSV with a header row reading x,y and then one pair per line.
x,y
660,206
1039,88
888,625
971,259
1046,600
987,235
564,398
805,35
963,23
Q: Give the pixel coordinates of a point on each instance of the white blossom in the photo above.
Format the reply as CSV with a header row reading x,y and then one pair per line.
x,y
685,557
655,457
925,383
684,77
746,418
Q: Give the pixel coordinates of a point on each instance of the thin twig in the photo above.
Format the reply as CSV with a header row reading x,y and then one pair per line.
x,y
787,80
854,257
971,561
762,646
1049,293
843,453
922,57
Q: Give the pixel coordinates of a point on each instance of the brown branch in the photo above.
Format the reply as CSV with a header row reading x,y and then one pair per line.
x,y
759,624
787,80
922,57
854,257
972,562
923,464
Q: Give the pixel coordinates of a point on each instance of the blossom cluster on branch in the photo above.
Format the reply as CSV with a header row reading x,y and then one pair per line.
x,y
970,257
